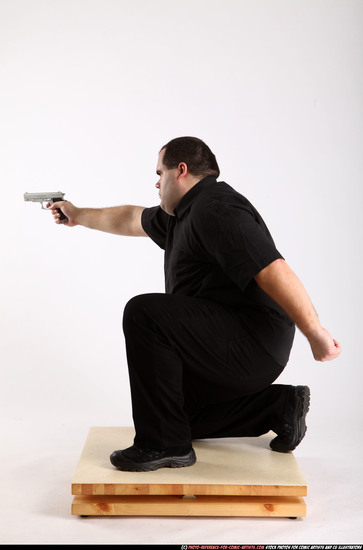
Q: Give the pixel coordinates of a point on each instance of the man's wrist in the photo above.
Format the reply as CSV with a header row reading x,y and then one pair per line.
x,y
313,331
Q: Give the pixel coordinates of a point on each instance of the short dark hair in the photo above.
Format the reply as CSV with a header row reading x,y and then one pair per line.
x,y
194,152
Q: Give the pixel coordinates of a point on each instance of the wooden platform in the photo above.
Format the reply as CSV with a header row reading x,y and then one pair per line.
x,y
232,477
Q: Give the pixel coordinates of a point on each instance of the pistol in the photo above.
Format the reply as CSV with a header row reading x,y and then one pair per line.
x,y
47,197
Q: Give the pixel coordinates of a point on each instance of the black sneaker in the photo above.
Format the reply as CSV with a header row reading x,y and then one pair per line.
x,y
293,428
135,459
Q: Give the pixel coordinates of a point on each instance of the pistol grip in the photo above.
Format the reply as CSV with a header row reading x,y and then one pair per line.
x,y
63,217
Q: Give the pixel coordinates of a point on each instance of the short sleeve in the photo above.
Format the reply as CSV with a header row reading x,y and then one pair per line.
x,y
238,240
155,223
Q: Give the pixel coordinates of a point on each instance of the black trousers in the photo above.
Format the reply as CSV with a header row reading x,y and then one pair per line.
x,y
196,372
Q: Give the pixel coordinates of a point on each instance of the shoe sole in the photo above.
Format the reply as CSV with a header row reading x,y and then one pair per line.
x,y
301,409
167,462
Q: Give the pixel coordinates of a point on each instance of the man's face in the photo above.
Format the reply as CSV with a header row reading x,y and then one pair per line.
x,y
170,191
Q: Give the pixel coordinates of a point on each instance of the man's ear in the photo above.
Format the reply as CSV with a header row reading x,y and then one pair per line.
x,y
182,169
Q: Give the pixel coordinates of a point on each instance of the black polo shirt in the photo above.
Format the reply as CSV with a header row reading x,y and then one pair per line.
x,y
214,246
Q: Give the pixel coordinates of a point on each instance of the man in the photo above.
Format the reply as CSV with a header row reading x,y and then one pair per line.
x,y
203,356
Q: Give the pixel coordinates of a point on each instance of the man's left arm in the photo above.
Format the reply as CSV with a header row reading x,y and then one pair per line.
x,y
282,285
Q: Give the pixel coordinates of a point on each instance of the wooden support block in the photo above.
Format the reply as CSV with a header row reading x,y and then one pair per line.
x,y
178,506
232,477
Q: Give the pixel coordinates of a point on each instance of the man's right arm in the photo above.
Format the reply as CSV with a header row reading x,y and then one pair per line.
x,y
119,220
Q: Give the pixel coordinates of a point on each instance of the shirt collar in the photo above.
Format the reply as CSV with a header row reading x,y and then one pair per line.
x,y
188,198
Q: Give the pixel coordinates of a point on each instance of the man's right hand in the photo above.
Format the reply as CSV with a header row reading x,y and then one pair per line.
x,y
68,210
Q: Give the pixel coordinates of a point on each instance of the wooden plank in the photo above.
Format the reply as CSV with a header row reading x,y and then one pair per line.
x,y
242,506
191,489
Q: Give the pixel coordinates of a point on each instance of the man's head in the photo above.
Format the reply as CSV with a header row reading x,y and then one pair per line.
x,y
181,164
194,153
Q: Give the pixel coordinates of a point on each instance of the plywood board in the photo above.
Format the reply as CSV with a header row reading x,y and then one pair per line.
x,y
224,467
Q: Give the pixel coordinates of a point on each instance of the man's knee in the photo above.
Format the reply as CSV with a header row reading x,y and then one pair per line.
x,y
137,310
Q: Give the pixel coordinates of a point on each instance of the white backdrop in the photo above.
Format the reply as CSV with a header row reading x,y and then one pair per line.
x,y
90,90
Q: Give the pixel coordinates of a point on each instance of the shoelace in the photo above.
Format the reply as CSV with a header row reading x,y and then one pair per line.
x,y
151,453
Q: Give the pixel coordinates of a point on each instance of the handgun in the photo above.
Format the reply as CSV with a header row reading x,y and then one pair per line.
x,y
47,197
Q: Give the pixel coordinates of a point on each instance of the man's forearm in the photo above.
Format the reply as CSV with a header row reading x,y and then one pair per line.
x,y
282,285
280,282
119,220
